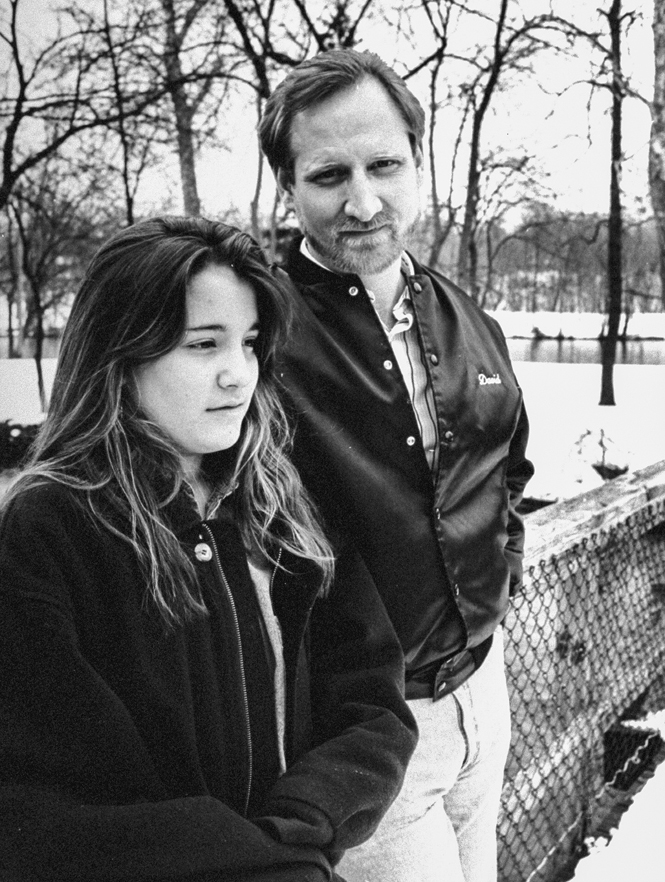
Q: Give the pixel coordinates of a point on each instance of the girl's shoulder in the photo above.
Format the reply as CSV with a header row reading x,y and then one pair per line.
x,y
45,506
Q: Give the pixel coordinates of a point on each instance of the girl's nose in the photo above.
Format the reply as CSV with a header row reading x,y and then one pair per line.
x,y
239,370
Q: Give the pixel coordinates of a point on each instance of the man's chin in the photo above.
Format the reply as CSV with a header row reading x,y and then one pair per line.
x,y
362,258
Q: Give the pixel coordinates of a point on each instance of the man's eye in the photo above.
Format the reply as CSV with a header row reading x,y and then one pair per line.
x,y
386,164
329,176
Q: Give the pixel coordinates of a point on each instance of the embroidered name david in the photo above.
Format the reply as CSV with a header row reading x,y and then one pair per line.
x,y
484,380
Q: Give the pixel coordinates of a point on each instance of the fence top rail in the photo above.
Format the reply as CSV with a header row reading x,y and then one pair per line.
x,y
556,528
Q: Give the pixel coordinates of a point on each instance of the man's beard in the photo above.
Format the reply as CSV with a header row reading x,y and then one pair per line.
x,y
342,255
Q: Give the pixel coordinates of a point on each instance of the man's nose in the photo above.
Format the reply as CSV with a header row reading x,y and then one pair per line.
x,y
362,203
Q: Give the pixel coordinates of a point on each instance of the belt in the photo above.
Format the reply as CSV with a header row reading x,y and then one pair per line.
x,y
445,678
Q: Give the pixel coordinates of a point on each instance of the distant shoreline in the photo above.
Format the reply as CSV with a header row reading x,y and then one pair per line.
x,y
642,327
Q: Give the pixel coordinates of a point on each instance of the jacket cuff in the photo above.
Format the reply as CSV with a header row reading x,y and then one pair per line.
x,y
293,822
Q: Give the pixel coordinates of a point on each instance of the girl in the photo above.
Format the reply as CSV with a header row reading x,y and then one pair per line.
x,y
186,692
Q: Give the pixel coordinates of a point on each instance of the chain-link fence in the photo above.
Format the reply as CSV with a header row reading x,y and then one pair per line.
x,y
586,662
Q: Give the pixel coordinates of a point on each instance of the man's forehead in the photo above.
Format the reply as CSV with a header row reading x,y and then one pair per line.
x,y
358,119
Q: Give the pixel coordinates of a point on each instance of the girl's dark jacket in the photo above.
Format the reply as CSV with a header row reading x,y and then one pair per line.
x,y
128,753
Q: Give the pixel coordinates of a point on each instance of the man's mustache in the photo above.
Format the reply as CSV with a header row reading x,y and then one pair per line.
x,y
378,221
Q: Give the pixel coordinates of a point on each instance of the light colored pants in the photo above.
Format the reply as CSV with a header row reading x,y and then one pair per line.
x,y
442,826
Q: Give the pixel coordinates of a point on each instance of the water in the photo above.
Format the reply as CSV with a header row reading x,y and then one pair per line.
x,y
555,351
641,352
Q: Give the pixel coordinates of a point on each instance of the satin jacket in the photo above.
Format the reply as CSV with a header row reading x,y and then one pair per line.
x,y
129,753
444,550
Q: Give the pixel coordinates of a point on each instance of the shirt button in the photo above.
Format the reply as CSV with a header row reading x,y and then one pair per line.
x,y
388,365
353,291
203,551
417,287
410,440
442,685
434,358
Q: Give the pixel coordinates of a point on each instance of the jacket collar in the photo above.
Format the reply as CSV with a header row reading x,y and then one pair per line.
x,y
304,271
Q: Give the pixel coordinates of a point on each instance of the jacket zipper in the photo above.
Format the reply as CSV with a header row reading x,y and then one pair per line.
x,y
274,571
243,679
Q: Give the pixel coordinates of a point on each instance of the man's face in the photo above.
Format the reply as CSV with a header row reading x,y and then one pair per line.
x,y
355,182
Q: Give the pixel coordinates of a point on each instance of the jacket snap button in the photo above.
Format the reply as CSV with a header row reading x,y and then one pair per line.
x,y
434,358
448,436
417,287
203,551
388,365
353,291
410,440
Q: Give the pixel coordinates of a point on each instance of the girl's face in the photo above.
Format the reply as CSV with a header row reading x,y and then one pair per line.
x,y
199,392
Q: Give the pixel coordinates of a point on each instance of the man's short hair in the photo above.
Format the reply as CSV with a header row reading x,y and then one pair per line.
x,y
321,77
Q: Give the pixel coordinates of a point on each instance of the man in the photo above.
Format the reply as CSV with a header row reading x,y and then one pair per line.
x,y
411,435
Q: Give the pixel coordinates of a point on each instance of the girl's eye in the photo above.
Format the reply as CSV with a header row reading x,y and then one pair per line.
x,y
252,342
202,344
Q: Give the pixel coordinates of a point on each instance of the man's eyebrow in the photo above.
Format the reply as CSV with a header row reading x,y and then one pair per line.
x,y
324,165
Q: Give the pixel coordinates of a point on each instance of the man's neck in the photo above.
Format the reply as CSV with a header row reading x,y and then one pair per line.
x,y
387,287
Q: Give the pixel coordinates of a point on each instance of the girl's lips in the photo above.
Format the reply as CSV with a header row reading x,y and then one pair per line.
x,y
227,407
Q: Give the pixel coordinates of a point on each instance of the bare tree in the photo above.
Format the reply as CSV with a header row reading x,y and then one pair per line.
x,y
57,93
515,43
200,48
657,139
60,220
615,228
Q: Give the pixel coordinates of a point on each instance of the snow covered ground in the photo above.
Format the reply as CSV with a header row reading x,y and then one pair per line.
x,y
636,849
570,431
580,325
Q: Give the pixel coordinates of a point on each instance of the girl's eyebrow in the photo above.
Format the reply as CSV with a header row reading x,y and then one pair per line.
x,y
207,328
219,328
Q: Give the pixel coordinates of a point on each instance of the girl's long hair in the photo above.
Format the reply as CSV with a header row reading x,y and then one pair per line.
x,y
131,308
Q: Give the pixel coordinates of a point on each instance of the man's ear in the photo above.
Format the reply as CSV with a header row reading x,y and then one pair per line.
x,y
284,189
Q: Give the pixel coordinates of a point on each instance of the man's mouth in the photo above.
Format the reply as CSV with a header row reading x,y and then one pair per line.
x,y
361,233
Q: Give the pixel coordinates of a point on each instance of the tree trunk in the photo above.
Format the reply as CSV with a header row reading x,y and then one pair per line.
x,y
467,262
39,352
186,154
615,228
183,113
254,205
657,139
